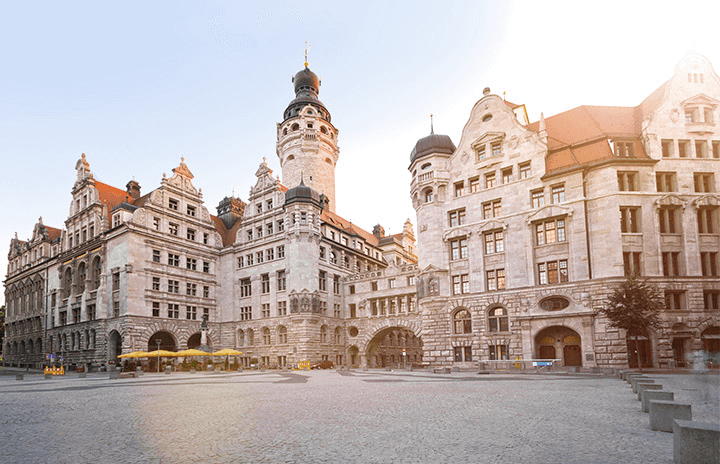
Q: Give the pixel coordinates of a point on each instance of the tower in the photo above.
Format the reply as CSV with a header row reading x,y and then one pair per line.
x,y
306,139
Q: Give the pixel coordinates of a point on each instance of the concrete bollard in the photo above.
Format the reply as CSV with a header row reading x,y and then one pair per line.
x,y
695,442
168,370
652,395
641,382
663,413
645,387
629,375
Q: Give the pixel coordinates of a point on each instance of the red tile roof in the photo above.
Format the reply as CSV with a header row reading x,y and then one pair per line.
x,y
53,232
112,196
348,227
228,236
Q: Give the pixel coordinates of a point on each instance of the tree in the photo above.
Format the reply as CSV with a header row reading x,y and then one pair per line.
x,y
634,306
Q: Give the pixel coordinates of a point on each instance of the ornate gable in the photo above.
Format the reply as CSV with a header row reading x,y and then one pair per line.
x,y
547,212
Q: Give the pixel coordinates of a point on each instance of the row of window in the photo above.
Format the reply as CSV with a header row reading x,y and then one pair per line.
x,y
390,305
497,321
173,259
280,284
259,257
489,180
173,311
174,229
247,337
684,148
173,286
665,182
671,263
495,353
81,236
669,218
267,230
355,244
676,300
322,282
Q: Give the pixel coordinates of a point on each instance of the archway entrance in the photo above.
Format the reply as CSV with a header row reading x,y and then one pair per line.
x,y
167,343
114,346
553,340
388,345
353,352
195,339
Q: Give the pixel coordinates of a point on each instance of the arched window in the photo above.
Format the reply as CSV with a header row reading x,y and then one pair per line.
x,y
498,320
338,335
295,127
250,337
241,337
462,322
266,336
82,275
282,335
428,195
67,283
96,272
333,257
323,334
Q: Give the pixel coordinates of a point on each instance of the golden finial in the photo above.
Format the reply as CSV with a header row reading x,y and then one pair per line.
x,y
306,50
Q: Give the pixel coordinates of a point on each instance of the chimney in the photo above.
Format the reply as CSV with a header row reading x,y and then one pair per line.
x,y
230,210
378,231
133,189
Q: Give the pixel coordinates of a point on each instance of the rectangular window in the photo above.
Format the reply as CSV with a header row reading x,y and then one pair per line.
x,y
373,286
628,181
173,259
507,175
269,254
116,222
322,281
259,208
708,263
701,149
671,263
459,189
191,210
704,182
336,284
336,313
683,148
116,281
173,204
206,267
322,252
456,218
173,310
269,228
156,256
711,298
674,300
716,149
537,198
205,238
281,280
156,283
481,152
557,193
206,291
265,283
524,169
498,352
625,149
246,315
173,286
551,231
707,219
631,263
496,148
668,148
173,228
411,281
245,288
461,284
249,235
391,283
458,248
492,209
265,310
240,262
489,180
282,308
630,219
474,184
668,220
494,242
190,234
191,312
463,353
259,231
190,289
191,263
495,279
156,309
281,251
156,223
553,272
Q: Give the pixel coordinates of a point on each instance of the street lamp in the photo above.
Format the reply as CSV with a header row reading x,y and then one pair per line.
x,y
158,341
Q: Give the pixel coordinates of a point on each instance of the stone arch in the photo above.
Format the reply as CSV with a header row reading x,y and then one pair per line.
x,y
168,341
364,340
114,346
559,342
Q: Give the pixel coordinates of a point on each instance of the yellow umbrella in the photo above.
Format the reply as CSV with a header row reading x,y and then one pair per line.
x,y
158,353
193,352
227,352
134,354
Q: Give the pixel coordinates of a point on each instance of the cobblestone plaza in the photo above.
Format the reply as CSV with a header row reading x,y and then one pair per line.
x,y
338,416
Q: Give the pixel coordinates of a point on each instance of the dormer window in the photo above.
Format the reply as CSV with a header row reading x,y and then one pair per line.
x,y
624,149
116,220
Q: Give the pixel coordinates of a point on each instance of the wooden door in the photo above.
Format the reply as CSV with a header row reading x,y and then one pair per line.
x,y
573,355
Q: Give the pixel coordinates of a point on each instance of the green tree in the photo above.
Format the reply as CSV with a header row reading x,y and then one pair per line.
x,y
634,306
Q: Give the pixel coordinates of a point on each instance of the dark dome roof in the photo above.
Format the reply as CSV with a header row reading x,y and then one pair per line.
x,y
307,88
302,193
306,78
433,143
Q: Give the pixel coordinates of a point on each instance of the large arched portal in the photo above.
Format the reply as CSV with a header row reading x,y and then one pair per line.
x,y
195,341
167,342
114,346
388,345
559,342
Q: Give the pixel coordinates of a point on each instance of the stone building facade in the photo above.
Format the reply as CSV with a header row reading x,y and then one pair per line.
x,y
523,229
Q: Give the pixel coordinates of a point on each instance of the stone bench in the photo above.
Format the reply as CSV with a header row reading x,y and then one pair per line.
x,y
441,370
635,382
628,375
112,375
652,395
642,387
663,413
696,442
125,375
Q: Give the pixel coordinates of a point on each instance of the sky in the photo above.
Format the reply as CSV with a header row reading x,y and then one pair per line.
x,y
138,85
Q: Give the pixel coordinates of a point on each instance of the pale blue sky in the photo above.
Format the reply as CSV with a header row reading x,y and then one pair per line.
x,y
137,85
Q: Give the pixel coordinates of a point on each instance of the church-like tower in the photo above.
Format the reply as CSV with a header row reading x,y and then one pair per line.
x,y
307,141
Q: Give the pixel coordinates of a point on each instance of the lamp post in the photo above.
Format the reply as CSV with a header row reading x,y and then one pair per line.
x,y
158,341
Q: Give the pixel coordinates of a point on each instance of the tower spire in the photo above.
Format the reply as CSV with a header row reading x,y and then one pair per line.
x,y
432,131
306,52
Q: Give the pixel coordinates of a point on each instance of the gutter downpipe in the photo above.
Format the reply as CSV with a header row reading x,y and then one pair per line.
x,y
587,223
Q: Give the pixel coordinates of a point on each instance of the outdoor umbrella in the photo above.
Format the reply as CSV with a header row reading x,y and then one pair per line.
x,y
158,354
227,352
134,354
192,352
